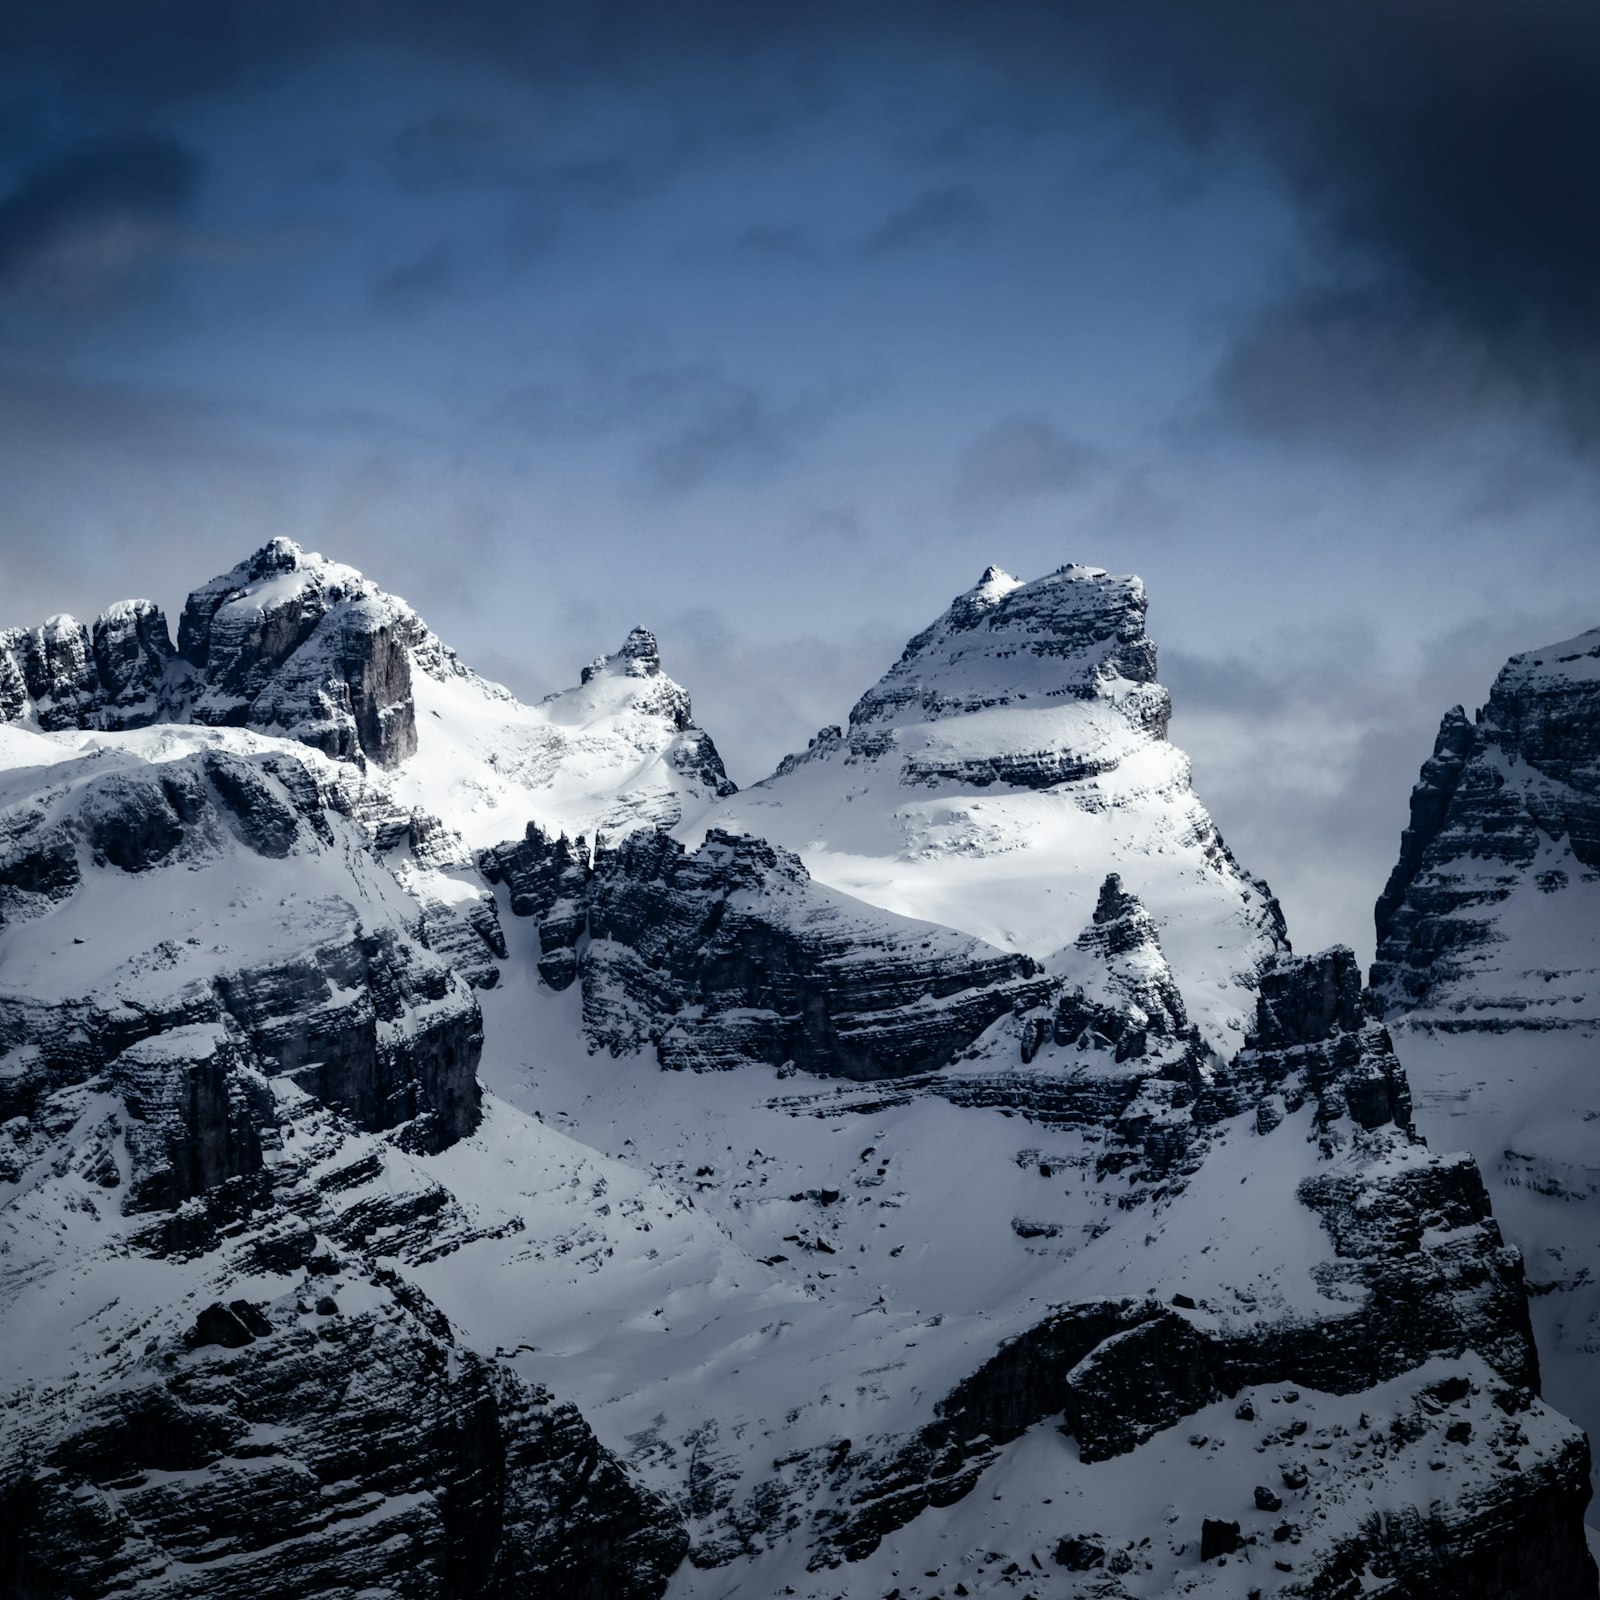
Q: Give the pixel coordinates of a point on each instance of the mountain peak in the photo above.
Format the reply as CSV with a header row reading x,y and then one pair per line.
x,y
1505,810
639,657
279,555
1075,635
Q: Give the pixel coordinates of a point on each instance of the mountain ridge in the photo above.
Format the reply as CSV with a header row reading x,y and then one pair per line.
x,y
338,1148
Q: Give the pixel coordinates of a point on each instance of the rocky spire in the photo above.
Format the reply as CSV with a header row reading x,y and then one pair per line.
x,y
1123,936
639,657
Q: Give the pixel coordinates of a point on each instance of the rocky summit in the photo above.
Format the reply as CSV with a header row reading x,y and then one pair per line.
x,y
456,1149
1015,753
1488,969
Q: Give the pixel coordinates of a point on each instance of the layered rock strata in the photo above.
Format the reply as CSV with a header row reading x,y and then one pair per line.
x,y
1015,754
730,953
1488,917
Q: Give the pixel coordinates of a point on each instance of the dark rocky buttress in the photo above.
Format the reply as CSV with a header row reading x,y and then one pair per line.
x,y
1509,799
66,675
295,1449
730,953
298,646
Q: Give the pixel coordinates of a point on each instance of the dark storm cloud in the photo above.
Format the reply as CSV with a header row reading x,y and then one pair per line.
x,y
688,423
949,212
93,191
1444,153
1023,456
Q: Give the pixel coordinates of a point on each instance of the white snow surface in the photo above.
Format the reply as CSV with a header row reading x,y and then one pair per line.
x,y
1019,866
652,1245
597,758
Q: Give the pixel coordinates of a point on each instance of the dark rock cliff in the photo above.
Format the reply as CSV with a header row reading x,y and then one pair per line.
x,y
366,1019
65,675
1417,1260
280,1448
1077,635
730,953
1497,796
298,646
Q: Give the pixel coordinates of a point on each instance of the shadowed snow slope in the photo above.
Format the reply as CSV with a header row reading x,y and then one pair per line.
x,y
1013,756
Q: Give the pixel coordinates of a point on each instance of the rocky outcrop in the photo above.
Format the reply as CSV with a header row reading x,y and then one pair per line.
x,y
1416,1259
196,1108
1315,1037
1507,804
1130,994
730,953
363,1017
695,757
295,645
1170,1204
66,675
548,878
303,1451
1488,972
372,1025
460,922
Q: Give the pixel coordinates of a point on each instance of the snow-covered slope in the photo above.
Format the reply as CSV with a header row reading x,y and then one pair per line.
x,y
354,1243
1013,756
1489,971
618,751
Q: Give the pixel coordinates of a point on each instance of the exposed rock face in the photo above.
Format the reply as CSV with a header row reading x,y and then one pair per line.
x,y
1134,980
460,922
302,1453
265,1409
1507,811
373,1026
66,675
731,954
196,1110
640,658
293,644
1004,646
1488,970
293,1299
548,879
1315,1037
1419,1292
364,1018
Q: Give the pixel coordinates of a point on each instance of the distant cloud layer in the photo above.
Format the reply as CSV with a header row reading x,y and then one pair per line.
x,y
1022,456
94,206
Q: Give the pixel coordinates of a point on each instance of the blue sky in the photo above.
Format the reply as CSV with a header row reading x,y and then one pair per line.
x,y
770,329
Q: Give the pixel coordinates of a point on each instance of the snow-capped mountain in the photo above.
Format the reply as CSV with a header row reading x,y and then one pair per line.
x,y
1014,754
442,1157
295,646
1489,970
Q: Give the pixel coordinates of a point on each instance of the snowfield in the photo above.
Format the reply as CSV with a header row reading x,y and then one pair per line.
x,y
1148,1290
